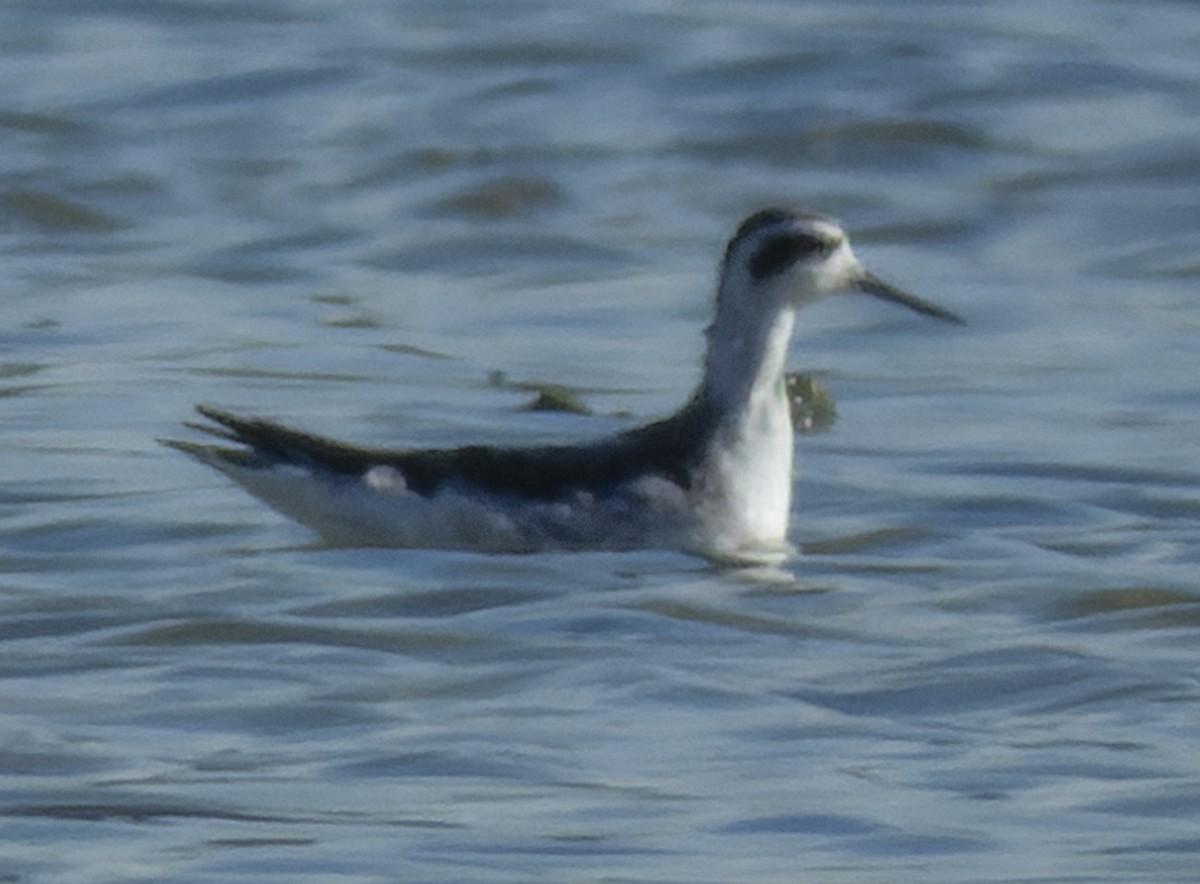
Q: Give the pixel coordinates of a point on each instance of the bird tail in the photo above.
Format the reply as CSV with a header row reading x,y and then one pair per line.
x,y
257,443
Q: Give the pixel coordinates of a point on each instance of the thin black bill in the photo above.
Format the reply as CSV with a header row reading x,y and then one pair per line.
x,y
873,285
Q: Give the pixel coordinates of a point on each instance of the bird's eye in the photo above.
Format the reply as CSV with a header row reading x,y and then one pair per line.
x,y
779,253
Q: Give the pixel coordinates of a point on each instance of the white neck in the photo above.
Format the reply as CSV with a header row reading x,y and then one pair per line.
x,y
747,350
748,481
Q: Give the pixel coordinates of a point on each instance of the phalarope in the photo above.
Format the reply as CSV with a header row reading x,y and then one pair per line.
x,y
715,478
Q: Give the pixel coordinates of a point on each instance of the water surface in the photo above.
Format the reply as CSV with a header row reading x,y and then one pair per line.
x,y
982,665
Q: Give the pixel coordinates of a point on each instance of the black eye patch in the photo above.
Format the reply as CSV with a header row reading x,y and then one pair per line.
x,y
779,253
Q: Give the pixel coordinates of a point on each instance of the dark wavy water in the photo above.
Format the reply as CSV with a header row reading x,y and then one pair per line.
x,y
381,220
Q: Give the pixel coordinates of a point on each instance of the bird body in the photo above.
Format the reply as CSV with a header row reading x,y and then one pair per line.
x,y
715,478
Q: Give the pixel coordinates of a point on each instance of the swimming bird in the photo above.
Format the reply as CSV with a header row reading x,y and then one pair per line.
x,y
715,478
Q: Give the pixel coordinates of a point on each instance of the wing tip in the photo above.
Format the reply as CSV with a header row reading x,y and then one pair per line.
x,y
217,456
226,427
254,442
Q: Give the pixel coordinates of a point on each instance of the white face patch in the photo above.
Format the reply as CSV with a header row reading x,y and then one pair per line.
x,y
839,270
826,229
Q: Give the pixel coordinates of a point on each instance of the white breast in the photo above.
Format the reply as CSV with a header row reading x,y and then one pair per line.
x,y
744,494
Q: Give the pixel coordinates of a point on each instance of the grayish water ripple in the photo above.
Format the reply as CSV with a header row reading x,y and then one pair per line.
x,y
392,222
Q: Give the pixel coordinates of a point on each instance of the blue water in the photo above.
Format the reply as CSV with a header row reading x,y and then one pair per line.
x,y
355,217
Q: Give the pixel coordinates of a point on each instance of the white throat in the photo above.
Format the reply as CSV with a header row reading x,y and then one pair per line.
x,y
743,369
747,484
